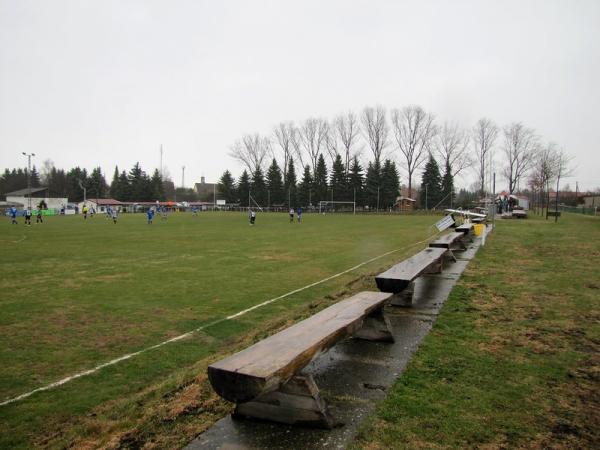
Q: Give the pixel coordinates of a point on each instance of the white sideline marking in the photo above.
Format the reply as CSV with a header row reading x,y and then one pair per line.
x,y
203,327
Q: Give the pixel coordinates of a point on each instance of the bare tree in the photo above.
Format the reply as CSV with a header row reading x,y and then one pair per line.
x,y
484,134
313,136
252,151
376,130
452,146
520,148
543,172
296,142
348,130
46,169
284,135
414,130
562,170
332,142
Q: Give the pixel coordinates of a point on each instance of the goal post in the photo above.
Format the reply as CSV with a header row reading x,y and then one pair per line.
x,y
331,206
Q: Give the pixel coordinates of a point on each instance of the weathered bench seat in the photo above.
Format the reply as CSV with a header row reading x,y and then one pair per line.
x,y
263,380
397,278
447,240
465,228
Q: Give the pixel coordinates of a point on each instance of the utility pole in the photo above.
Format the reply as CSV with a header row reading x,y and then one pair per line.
x,y
377,199
29,155
182,176
161,161
426,209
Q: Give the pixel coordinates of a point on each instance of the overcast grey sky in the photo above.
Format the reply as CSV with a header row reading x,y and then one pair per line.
x,y
106,82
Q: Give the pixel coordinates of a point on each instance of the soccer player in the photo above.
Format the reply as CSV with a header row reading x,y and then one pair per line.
x,y
252,217
84,211
291,215
299,212
13,215
28,216
38,217
150,215
194,211
114,216
164,213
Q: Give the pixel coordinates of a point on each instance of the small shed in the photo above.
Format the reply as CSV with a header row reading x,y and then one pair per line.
x,y
405,203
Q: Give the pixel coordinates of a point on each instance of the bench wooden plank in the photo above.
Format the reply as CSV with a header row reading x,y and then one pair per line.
x,y
447,240
399,276
270,363
465,228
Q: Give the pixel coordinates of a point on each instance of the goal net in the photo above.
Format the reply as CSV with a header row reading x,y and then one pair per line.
x,y
337,207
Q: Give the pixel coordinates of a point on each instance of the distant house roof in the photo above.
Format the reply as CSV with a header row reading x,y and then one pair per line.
x,y
104,201
24,192
9,204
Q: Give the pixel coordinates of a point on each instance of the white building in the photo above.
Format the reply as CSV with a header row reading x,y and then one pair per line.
x,y
37,195
101,204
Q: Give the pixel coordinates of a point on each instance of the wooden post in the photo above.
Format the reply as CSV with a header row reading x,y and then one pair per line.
x,y
297,402
376,327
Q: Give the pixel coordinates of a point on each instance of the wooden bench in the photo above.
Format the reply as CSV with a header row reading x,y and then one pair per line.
x,y
399,280
264,380
451,242
519,213
465,228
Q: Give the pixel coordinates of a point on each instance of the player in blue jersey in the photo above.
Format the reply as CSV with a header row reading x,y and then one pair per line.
x,y
150,215
13,215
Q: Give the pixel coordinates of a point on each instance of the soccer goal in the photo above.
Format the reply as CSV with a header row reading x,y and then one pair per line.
x,y
329,206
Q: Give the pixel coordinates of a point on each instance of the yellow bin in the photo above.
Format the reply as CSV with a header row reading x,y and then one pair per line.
x,y
478,229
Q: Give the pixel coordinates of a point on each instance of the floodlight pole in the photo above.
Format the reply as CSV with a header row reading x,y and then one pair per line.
x,y
494,202
377,199
29,155
354,206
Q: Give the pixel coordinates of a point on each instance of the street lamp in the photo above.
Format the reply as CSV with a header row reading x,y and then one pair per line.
x,y
29,155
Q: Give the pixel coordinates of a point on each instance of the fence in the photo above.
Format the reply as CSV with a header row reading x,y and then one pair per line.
x,y
578,210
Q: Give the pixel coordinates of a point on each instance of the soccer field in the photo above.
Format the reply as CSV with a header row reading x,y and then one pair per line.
x,y
77,294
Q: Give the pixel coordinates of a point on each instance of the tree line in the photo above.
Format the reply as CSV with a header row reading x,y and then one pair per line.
x,y
353,157
133,185
409,135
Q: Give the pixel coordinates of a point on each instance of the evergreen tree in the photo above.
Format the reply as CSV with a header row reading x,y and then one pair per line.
x,y
338,180
305,188
34,178
243,188
390,185
226,187
274,183
57,182
320,181
124,187
258,188
156,186
431,184
356,182
115,186
97,184
139,184
448,187
290,192
372,192
75,177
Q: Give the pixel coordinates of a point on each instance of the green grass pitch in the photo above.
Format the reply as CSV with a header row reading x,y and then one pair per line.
x,y
80,293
